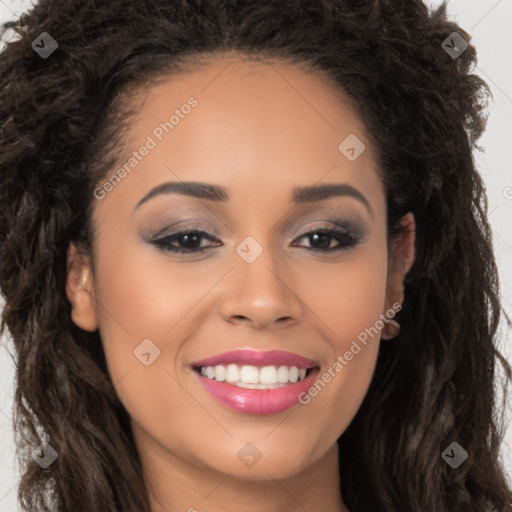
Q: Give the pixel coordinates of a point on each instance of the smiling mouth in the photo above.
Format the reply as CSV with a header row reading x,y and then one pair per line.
x,y
254,377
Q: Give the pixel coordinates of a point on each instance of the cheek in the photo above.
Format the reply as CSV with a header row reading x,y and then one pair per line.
x,y
349,300
142,297
347,297
144,293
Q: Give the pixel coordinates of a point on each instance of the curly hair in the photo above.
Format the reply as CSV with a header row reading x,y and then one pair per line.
x,y
62,121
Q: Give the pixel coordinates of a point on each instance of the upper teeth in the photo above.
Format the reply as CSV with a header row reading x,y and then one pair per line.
x,y
248,376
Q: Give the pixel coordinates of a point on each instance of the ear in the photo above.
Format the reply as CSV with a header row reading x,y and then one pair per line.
x,y
80,289
401,258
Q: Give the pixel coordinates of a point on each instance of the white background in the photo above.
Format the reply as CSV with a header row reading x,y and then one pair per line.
x,y
489,23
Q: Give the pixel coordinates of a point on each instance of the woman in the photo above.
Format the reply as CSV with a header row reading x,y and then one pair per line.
x,y
183,339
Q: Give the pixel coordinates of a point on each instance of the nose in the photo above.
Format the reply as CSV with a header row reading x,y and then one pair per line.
x,y
262,294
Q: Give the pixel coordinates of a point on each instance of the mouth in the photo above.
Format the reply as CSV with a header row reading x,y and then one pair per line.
x,y
254,377
256,382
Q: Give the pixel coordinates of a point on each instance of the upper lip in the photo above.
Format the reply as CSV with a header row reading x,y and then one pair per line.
x,y
258,358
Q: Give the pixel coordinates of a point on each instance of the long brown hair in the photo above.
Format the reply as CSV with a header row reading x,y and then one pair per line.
x,y
433,385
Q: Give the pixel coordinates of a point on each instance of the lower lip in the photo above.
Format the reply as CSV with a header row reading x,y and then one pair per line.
x,y
258,401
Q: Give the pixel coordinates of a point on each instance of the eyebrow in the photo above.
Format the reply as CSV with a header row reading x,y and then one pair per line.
x,y
211,192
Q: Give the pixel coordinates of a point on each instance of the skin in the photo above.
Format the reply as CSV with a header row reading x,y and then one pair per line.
x,y
259,130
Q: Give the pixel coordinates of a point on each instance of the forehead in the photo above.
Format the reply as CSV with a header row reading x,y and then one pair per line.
x,y
251,122
238,93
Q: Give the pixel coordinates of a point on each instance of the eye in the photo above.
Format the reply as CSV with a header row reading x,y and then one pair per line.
x,y
184,240
321,239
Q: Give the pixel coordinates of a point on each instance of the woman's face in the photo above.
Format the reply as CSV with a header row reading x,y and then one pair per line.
x,y
265,136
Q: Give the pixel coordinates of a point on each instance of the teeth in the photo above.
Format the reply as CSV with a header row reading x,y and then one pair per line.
x,y
283,374
260,386
232,373
220,373
253,377
268,375
249,375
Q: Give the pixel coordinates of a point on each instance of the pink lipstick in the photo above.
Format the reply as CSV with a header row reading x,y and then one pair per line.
x,y
256,382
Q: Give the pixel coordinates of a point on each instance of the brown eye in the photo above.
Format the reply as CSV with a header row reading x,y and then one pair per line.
x,y
185,240
321,239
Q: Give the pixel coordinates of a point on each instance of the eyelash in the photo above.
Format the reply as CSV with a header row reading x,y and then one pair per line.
x,y
345,237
